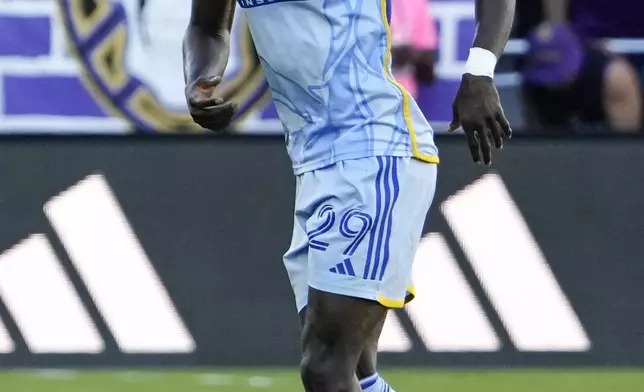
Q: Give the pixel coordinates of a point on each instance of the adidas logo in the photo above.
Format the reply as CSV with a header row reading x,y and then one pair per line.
x,y
122,283
512,270
447,315
344,268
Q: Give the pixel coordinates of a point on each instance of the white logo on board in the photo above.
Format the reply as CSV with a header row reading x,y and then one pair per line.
x,y
512,270
111,262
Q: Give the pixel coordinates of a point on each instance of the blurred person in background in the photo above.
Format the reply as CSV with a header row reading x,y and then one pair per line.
x,y
570,78
414,42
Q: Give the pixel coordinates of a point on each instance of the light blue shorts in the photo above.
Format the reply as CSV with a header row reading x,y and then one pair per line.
x,y
357,226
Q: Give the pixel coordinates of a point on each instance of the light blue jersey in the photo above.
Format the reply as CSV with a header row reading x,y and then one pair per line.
x,y
327,63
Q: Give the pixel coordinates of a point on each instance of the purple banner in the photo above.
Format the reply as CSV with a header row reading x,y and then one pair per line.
x,y
89,70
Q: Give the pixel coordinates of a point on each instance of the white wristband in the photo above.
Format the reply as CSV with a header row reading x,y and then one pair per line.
x,y
481,62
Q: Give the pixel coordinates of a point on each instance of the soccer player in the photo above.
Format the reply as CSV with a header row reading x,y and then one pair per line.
x,y
362,152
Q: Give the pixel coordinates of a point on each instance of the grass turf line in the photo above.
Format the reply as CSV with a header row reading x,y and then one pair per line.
x,y
279,380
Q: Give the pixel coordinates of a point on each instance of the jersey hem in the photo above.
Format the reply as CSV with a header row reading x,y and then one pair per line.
x,y
370,295
316,165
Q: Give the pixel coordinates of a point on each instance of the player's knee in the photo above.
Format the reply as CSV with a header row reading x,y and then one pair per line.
x,y
324,371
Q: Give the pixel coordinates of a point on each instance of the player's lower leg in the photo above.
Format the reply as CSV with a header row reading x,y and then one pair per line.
x,y
370,380
366,371
367,364
336,330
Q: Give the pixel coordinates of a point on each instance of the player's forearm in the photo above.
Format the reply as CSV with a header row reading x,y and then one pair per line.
x,y
494,20
205,44
555,11
204,55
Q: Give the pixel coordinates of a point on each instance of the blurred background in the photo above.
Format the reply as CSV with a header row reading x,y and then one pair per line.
x,y
140,253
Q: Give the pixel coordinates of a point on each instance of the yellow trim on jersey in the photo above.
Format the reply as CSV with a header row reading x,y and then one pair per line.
x,y
397,303
390,303
406,109
411,290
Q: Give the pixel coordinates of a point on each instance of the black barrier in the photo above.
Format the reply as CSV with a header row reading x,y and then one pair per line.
x,y
215,215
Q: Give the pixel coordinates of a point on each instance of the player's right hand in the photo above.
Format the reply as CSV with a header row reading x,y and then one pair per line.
x,y
477,109
206,108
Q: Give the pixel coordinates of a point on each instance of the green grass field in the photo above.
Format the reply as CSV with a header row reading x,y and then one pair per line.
x,y
224,380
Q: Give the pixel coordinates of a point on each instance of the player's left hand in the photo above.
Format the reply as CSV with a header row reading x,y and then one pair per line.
x,y
207,109
478,111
